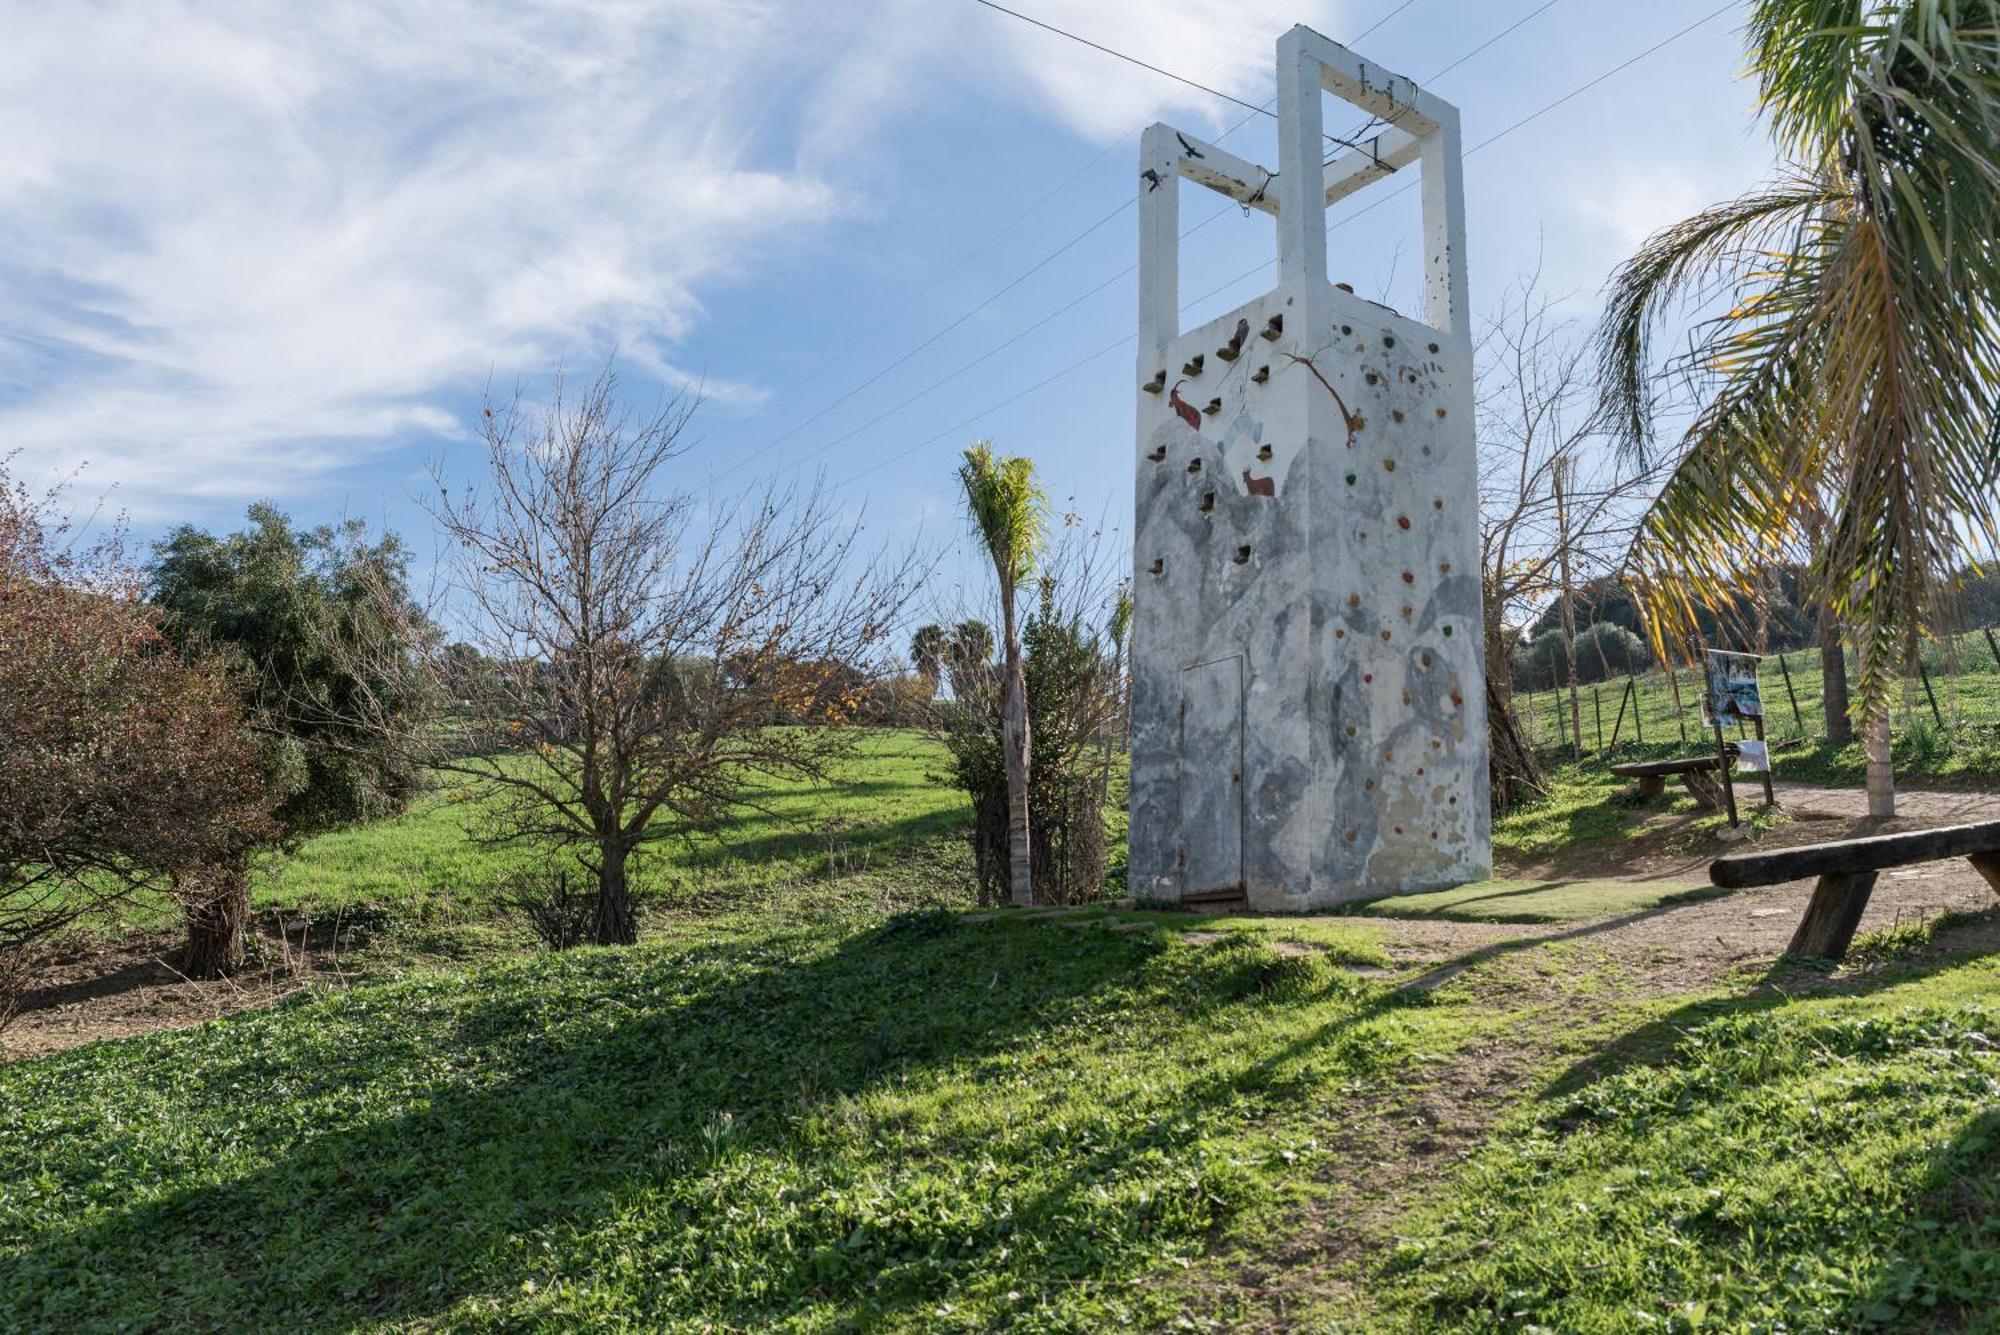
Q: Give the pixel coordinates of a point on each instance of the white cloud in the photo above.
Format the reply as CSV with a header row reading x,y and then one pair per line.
x,y
244,245
1220,43
259,243
884,58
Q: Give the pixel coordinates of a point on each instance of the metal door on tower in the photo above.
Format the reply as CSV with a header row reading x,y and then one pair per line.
x,y
1211,776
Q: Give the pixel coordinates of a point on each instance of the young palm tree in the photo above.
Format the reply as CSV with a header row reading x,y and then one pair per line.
x,y
1009,514
1850,366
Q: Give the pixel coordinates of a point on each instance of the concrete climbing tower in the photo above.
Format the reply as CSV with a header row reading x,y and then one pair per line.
x,y
1308,700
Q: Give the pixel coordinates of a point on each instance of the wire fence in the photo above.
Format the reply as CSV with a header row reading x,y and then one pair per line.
x,y
1954,695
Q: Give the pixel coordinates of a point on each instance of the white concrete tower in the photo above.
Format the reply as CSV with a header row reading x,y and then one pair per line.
x,y
1308,700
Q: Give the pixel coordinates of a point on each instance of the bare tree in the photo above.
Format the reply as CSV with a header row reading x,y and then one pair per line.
x,y
651,658
1555,509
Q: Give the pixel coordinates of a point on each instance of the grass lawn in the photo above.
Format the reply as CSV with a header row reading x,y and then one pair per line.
x,y
1961,741
1831,1164
1590,813
926,1125
820,1098
886,816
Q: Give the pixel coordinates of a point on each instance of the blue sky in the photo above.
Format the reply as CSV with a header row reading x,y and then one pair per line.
x,y
280,251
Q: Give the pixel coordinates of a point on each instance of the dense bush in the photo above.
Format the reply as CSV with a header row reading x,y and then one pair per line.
x,y
299,612
1601,650
124,767
1075,698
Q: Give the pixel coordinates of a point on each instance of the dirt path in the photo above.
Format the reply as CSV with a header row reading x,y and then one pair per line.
x,y
1681,946
1402,1143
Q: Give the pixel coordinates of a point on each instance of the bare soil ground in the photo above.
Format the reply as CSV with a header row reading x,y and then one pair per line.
x,y
1682,946
100,988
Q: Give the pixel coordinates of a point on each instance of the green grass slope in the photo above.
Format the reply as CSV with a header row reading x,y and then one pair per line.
x,y
1831,1164
923,1125
885,803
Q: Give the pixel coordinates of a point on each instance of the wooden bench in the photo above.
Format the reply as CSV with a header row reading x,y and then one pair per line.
x,y
1847,868
1697,772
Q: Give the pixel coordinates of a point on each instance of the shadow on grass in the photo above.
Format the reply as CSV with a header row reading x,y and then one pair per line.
x,y
1939,1273
663,1115
806,840
1789,979
1422,906
1437,976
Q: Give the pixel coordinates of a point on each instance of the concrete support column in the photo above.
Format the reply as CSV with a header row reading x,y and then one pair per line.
x,y
1446,303
1301,176
1159,241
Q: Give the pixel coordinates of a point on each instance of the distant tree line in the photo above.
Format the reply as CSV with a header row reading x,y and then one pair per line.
x,y
1611,640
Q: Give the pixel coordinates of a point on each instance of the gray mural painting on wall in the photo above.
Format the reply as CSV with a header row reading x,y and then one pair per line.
x,y
1308,700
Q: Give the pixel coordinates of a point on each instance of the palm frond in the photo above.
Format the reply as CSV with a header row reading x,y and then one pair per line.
x,y
1807,54
1723,245
1856,379
1007,508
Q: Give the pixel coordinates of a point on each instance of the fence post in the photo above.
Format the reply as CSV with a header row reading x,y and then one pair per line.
x,y
1992,645
1680,710
1798,719
1923,674
1597,710
1619,722
1638,719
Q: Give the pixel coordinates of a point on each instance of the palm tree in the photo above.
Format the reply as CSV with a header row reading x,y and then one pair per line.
x,y
1009,514
970,658
928,648
1850,362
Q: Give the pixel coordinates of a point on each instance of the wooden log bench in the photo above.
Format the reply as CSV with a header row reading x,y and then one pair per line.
x,y
1847,868
1697,772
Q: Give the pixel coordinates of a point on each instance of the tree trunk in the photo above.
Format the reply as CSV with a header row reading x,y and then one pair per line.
x,y
1833,675
1568,614
1515,772
1881,777
217,903
612,922
1015,742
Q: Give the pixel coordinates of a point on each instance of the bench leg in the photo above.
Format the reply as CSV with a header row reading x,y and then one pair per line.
x,y
1837,905
1652,785
1705,789
1987,865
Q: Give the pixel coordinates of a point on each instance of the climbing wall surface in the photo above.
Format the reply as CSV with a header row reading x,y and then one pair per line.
x,y
1308,700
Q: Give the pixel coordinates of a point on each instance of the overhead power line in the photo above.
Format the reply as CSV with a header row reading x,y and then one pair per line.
x,y
1064,309
1120,55
1015,395
1195,84
864,335
1017,337
1531,117
853,390
1040,264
